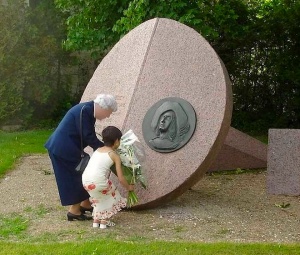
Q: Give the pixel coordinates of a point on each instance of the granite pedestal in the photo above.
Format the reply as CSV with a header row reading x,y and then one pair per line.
x,y
283,171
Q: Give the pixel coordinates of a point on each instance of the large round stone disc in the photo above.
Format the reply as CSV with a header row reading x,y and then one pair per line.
x,y
159,59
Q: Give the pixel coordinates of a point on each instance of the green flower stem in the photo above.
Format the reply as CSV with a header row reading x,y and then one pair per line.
x,y
132,199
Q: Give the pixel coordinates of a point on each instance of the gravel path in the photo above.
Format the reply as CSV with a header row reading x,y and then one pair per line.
x,y
220,208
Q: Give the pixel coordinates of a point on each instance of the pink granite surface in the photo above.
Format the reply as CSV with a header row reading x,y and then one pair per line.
x,y
283,175
119,71
240,151
158,59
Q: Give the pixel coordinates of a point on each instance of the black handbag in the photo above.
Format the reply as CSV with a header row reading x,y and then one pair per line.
x,y
84,156
83,162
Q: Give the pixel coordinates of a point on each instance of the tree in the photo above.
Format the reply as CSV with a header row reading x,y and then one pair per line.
x,y
37,80
13,30
90,24
267,91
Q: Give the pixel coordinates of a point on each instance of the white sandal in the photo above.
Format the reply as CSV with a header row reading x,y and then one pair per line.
x,y
96,225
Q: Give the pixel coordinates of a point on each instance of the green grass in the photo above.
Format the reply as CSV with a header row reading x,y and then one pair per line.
x,y
16,144
112,247
13,145
14,225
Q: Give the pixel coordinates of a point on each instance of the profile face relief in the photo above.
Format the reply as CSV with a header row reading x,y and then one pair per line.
x,y
165,120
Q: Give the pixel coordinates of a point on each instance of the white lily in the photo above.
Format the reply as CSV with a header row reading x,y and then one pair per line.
x,y
129,138
127,151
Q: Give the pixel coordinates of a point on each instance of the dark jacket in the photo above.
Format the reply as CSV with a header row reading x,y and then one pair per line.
x,y
65,140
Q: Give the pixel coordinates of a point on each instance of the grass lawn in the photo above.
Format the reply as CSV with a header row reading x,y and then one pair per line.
x,y
112,247
13,145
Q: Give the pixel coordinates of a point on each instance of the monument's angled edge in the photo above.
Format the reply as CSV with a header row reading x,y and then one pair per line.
x,y
155,20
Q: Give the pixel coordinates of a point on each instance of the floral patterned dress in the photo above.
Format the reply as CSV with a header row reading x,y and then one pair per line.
x,y
104,196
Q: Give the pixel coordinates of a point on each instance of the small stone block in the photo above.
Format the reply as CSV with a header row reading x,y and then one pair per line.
x,y
283,175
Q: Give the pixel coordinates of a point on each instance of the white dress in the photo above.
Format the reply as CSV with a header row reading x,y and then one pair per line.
x,y
104,196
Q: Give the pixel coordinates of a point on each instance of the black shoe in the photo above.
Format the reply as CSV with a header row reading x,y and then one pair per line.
x,y
72,217
83,209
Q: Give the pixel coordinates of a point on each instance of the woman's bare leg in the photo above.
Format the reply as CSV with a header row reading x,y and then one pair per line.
x,y
86,204
75,209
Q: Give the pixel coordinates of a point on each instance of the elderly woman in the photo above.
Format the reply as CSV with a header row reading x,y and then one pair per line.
x,y
64,148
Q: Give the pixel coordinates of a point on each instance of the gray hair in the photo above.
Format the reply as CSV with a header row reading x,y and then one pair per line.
x,y
106,101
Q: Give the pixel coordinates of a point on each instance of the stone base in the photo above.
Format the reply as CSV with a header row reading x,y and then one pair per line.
x,y
240,151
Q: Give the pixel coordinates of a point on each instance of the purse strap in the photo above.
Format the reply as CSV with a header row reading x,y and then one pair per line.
x,y
80,125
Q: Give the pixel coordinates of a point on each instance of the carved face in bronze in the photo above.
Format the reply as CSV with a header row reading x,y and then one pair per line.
x,y
170,123
165,120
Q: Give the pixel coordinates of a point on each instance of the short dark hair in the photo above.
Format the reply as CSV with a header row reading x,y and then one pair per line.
x,y
110,134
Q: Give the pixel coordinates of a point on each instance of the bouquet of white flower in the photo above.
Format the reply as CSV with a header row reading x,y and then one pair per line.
x,y
131,154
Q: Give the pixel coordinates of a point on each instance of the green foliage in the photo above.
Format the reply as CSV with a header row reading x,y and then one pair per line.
x,y
16,144
267,90
90,24
139,11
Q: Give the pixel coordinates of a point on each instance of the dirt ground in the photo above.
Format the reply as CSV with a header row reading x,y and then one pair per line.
x,y
220,208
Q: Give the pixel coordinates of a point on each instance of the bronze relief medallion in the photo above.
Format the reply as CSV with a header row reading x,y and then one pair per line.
x,y
169,124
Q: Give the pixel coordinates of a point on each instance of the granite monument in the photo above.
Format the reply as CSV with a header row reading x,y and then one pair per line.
x,y
158,60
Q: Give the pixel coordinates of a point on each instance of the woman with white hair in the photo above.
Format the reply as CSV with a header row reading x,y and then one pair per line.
x,y
64,148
